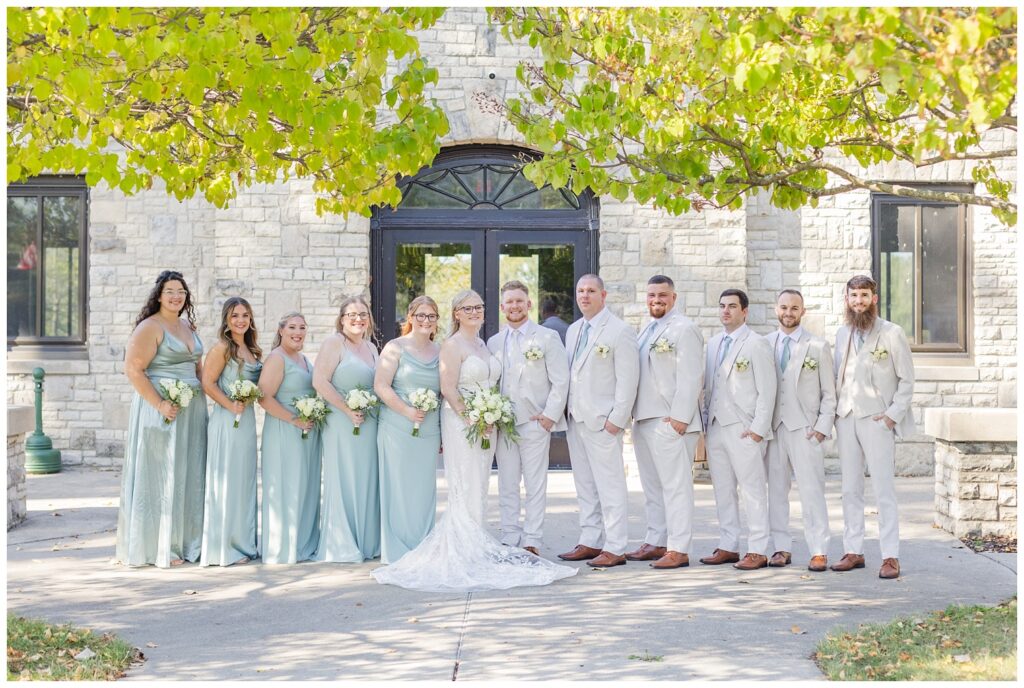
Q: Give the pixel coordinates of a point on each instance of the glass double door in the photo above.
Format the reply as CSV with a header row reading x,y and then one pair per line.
x,y
440,263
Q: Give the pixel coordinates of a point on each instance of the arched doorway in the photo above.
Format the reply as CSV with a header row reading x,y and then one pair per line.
x,y
472,220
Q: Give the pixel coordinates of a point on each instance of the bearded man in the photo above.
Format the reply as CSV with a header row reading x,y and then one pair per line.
x,y
874,388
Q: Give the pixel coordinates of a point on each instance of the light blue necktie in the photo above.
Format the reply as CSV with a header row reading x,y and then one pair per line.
x,y
581,343
723,350
647,334
785,353
860,340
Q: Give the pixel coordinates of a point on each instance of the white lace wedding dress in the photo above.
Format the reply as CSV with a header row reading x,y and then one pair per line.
x,y
459,555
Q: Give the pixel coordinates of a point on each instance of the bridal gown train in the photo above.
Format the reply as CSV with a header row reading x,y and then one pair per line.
x,y
459,555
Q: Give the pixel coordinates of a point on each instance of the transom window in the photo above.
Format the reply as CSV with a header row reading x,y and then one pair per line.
x,y
479,187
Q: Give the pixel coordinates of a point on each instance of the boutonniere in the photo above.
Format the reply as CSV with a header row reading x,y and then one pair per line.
x,y
533,353
810,364
602,350
663,346
880,354
742,363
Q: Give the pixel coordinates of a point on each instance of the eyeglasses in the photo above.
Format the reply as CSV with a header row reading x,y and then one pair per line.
x,y
174,292
356,316
425,317
479,308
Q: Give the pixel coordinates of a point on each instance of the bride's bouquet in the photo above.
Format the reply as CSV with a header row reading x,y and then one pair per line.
x,y
177,392
313,409
425,400
244,391
486,407
361,399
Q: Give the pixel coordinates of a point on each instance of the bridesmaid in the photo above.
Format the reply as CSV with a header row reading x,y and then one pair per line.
x,y
162,484
229,531
291,465
408,465
350,506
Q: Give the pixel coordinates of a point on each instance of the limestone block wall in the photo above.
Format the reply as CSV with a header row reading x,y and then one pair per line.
x,y
19,422
976,488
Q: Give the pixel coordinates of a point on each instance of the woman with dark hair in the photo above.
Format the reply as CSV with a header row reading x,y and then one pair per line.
x,y
408,462
229,530
164,476
350,502
290,464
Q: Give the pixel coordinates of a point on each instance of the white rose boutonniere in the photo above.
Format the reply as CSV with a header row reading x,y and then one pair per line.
x,y
602,350
533,353
880,354
663,346
810,364
742,363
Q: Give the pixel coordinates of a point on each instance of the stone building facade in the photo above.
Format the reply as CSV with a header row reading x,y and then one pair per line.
x,y
272,248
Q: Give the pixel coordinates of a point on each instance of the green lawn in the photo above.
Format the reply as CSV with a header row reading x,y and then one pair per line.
x,y
958,644
37,650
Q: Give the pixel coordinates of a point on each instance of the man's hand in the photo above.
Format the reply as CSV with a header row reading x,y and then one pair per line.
x,y
889,422
678,426
752,435
544,421
611,428
816,435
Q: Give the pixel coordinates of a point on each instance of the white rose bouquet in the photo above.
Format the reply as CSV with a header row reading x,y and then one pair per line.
x,y
177,392
425,400
244,391
311,408
361,399
663,346
810,364
533,353
488,407
880,354
602,350
742,363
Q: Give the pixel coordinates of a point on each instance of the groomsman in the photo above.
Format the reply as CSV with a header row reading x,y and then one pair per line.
x,y
875,387
535,375
739,397
666,426
603,372
805,409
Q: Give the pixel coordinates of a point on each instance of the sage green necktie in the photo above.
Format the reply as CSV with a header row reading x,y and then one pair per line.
x,y
581,343
785,353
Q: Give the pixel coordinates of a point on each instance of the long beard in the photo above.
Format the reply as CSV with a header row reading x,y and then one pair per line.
x,y
862,321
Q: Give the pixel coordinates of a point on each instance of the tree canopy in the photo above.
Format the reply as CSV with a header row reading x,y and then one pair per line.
x,y
213,99
687,107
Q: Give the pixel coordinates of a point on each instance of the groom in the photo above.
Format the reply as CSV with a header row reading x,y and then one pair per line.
x,y
535,376
603,373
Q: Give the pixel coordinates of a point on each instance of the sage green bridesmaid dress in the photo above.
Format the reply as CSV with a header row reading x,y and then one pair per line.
x,y
291,476
408,465
164,474
229,530
350,505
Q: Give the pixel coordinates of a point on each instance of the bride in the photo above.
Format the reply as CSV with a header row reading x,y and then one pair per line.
x,y
459,555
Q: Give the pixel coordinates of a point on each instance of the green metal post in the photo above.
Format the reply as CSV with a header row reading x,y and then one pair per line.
x,y
40,456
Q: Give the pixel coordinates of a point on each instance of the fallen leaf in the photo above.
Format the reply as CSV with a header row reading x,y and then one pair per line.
x,y
806,577
152,645
412,619
35,658
359,604
796,630
189,592
745,582
962,659
57,513
904,656
84,655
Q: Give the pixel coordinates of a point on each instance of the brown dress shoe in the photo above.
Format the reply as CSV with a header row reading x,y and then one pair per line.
x,y
579,553
752,561
672,560
721,556
819,562
646,553
607,559
780,559
532,550
890,568
848,562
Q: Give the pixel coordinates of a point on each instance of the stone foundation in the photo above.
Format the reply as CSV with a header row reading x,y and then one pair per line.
x,y
19,421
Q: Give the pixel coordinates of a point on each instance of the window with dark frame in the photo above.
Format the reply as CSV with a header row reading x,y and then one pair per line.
x,y
47,243
920,256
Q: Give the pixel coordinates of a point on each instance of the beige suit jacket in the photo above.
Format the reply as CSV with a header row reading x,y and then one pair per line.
x,y
670,383
535,387
806,396
877,379
741,396
602,386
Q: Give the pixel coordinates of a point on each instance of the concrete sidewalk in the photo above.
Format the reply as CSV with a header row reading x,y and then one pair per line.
x,y
333,621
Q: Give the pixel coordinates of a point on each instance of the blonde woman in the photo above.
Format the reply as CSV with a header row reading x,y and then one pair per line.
x,y
459,555
350,503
